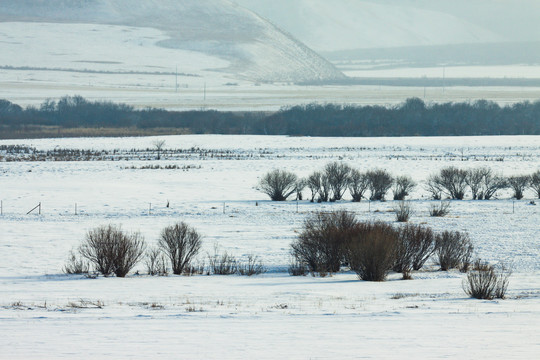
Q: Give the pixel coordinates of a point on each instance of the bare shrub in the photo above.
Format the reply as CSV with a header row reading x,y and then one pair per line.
x,y
156,263
485,281
278,184
451,180
518,183
380,181
434,188
491,183
111,250
252,266
372,251
534,183
403,211
76,265
484,183
414,247
358,185
181,243
440,210
453,250
313,182
322,242
299,187
297,268
222,264
338,178
403,185
474,180
194,269
319,186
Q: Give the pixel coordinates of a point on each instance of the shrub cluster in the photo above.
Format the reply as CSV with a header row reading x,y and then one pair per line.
x,y
331,240
111,251
486,281
336,178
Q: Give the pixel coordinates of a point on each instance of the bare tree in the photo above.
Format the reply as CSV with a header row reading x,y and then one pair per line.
x,y
403,185
518,183
358,185
484,183
534,183
181,243
112,251
434,188
158,145
451,180
313,182
278,184
338,178
380,182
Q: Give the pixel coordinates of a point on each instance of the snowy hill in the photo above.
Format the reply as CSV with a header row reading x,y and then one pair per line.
x,y
197,36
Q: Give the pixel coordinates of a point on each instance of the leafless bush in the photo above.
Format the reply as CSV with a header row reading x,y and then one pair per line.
x,y
156,263
534,183
403,185
380,181
338,178
372,251
297,268
252,266
278,184
181,243
76,265
322,242
319,185
485,281
222,264
313,182
194,269
441,209
358,184
451,180
518,183
112,251
453,250
434,188
403,211
483,183
414,247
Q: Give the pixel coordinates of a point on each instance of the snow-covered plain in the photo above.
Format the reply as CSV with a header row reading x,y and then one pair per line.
x,y
45,314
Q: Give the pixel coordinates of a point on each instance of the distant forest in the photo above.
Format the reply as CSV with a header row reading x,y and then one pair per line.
x,y
411,118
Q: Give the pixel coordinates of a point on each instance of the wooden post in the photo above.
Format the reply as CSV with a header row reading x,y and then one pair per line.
x,y
40,208
224,208
75,208
149,208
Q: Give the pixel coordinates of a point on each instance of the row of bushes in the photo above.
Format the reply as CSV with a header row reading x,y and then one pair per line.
x,y
108,250
328,242
336,178
332,240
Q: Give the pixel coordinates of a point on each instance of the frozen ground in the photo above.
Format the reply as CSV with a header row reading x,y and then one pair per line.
x,y
45,314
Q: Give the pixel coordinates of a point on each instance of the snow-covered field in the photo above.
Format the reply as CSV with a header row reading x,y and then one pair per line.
x,y
45,314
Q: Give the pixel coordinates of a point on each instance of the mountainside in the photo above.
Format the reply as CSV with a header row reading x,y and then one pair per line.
x,y
354,24
218,28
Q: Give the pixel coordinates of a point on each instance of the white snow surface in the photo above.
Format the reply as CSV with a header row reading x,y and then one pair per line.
x,y
45,314
248,44
355,24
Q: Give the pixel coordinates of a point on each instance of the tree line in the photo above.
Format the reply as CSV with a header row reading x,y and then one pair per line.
x,y
411,118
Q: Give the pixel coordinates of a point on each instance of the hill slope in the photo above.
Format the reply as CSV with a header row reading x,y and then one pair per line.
x,y
218,28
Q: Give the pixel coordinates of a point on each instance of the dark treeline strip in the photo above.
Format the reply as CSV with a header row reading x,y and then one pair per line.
x,y
411,118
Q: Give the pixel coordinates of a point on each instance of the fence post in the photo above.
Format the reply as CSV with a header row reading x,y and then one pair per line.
x,y
75,208
149,208
40,208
